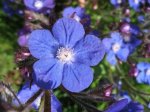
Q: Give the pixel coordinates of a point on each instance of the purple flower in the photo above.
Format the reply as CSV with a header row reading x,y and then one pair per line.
x,y
116,3
127,28
23,37
115,48
78,14
129,33
39,5
143,73
125,106
27,92
65,56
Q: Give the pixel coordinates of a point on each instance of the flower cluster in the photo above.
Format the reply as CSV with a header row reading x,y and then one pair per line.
x,y
143,73
62,49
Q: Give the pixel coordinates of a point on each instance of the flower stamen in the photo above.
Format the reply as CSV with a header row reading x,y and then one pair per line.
x,y
65,55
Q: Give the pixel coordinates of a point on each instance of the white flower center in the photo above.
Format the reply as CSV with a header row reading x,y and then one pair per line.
x,y
116,47
148,72
38,4
136,1
65,55
119,1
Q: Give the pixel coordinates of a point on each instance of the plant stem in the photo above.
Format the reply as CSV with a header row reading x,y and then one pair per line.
x,y
47,101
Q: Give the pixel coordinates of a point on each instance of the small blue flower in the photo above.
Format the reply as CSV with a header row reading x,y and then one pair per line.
x,y
143,73
27,92
141,18
125,106
135,4
65,56
78,14
132,43
117,3
129,34
115,48
39,5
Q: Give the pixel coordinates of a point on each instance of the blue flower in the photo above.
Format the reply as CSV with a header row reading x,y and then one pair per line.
x,y
117,3
78,14
132,43
65,56
129,34
115,48
7,8
39,5
143,73
27,92
125,106
141,18
135,4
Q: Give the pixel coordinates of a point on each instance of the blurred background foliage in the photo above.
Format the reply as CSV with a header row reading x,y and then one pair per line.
x,y
104,19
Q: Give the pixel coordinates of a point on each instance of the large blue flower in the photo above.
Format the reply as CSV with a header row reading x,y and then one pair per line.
x,y
143,73
78,14
39,5
115,48
125,106
27,92
65,56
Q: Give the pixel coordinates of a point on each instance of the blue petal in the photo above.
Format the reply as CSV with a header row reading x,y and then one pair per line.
x,y
41,43
55,104
77,77
134,5
107,43
142,66
123,54
116,37
48,73
111,58
141,77
67,12
26,93
68,31
80,11
29,4
89,50
133,107
118,106
147,79
49,3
